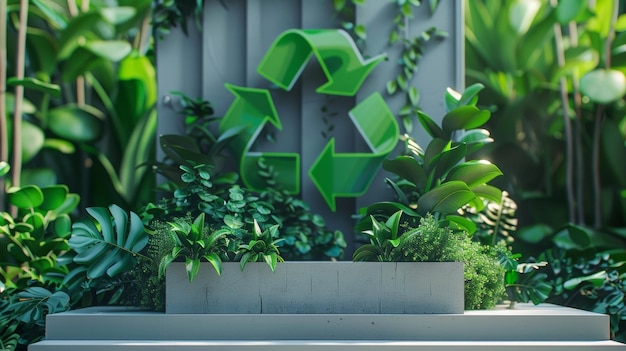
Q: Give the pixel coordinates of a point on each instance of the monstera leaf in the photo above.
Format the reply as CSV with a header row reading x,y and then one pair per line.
x,y
108,241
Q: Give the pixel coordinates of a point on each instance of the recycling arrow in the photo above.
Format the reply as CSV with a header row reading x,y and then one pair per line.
x,y
350,174
335,50
253,108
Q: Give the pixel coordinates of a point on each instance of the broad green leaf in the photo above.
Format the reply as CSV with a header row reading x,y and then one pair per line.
x,y
191,267
62,226
53,197
26,197
110,247
33,139
76,123
470,94
445,199
77,28
596,279
464,117
603,85
488,192
451,99
118,15
36,84
474,136
522,13
447,160
408,168
569,10
112,50
37,221
434,150
55,13
430,126
580,235
138,67
474,172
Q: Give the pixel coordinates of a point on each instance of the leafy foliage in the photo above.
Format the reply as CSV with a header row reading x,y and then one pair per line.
x,y
429,242
440,179
193,242
89,95
594,282
305,234
262,247
107,243
23,314
32,241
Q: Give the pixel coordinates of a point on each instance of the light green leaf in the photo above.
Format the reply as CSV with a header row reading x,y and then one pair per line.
x,y
26,197
112,50
76,123
36,84
603,85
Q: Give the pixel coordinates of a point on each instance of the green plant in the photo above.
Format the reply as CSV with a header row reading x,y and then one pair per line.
x,y
83,96
193,242
394,241
383,237
305,234
441,179
104,246
38,234
23,314
262,247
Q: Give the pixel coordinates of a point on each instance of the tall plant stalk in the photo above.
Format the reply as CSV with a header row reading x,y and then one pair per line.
x,y
595,162
569,144
4,133
577,130
19,96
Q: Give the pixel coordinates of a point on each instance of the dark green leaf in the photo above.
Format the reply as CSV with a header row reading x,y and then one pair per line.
x,y
445,199
76,123
464,117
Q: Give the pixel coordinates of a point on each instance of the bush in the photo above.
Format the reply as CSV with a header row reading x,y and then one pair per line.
x,y
484,284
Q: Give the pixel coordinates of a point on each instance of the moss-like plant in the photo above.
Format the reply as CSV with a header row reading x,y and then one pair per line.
x,y
429,242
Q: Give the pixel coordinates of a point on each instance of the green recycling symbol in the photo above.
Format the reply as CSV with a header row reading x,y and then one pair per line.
x,y
334,174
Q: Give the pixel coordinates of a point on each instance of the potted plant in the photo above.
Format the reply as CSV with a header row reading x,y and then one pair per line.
x,y
432,186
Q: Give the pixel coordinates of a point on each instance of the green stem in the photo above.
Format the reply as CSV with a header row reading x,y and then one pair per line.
x,y
124,135
595,162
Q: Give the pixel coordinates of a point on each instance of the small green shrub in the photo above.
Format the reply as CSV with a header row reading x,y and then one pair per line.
x,y
484,276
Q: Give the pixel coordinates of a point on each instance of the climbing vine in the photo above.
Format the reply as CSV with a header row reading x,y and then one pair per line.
x,y
413,48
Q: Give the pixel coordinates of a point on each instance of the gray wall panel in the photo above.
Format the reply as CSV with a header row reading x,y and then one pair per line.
x,y
236,37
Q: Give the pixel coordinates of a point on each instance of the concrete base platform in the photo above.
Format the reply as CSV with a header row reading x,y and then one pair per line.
x,y
527,327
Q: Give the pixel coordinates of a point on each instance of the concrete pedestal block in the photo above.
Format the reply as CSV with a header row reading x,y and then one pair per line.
x,y
319,287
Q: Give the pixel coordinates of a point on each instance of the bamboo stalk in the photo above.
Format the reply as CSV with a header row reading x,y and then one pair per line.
x,y
569,148
19,94
578,125
4,133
